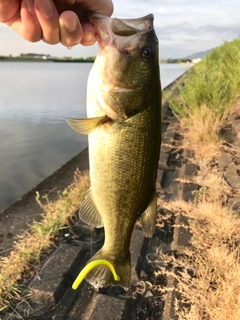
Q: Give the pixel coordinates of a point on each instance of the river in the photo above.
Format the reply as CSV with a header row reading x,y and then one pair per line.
x,y
35,99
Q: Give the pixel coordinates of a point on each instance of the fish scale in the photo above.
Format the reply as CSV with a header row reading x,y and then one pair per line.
x,y
125,166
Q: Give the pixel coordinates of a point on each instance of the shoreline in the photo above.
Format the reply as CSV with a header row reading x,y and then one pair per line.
x,y
77,60
20,214
46,61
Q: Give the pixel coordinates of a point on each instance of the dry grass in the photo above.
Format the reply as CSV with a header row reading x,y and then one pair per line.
x,y
28,249
214,291
208,280
208,274
208,96
202,133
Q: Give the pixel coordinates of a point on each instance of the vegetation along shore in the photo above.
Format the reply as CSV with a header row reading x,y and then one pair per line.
x,y
47,58
208,108
33,57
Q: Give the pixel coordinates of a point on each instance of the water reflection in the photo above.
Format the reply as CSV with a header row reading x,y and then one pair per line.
x,y
32,151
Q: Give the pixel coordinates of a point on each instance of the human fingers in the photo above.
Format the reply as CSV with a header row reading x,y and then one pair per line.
x,y
88,37
25,22
8,9
104,7
71,31
48,18
81,7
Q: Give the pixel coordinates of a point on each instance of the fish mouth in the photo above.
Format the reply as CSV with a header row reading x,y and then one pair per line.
x,y
124,34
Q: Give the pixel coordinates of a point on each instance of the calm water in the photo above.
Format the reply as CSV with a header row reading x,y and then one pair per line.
x,y
35,99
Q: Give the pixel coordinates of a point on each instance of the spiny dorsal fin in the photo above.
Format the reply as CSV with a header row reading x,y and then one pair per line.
x,y
88,212
86,126
148,218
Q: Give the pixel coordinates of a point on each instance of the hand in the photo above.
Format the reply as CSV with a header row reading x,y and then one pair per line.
x,y
53,21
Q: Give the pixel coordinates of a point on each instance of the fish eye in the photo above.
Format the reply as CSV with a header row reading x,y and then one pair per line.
x,y
147,53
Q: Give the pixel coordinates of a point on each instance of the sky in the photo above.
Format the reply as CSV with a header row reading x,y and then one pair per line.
x,y
183,27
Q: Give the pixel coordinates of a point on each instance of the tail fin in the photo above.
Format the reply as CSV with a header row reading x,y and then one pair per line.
x,y
101,276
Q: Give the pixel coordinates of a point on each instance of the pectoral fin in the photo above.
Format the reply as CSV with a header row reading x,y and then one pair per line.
x,y
88,212
148,218
86,126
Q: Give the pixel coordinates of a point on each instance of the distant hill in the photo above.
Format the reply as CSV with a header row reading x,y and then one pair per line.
x,y
200,55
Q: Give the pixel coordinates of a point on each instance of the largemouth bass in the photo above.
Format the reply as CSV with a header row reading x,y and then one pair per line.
x,y
124,127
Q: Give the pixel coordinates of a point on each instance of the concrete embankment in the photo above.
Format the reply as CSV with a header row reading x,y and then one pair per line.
x,y
17,217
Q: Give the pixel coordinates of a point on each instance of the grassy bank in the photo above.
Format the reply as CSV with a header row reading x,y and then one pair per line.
x,y
211,92
208,283
213,82
25,256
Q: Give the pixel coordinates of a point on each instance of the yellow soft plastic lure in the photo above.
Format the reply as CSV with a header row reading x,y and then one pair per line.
x,y
89,267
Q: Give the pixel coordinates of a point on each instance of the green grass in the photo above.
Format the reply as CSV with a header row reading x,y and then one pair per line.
x,y
214,83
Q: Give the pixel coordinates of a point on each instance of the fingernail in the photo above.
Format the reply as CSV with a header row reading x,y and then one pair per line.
x,y
88,36
70,24
88,33
45,7
30,6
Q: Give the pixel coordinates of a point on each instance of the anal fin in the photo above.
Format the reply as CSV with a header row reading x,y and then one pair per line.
x,y
148,218
88,212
